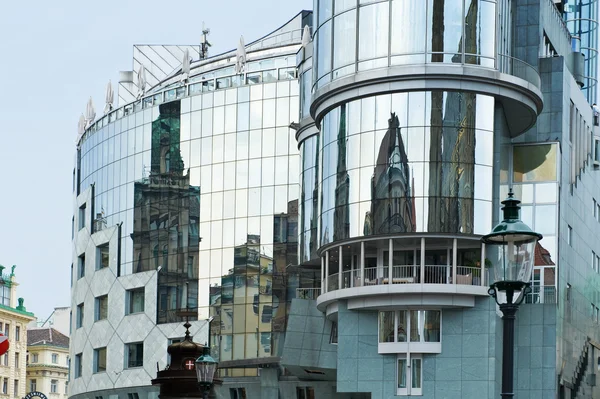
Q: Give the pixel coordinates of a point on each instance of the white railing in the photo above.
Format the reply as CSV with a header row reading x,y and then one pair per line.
x,y
468,275
411,274
406,274
308,293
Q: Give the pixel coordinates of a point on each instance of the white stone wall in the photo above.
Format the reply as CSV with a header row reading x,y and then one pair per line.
x,y
44,370
118,329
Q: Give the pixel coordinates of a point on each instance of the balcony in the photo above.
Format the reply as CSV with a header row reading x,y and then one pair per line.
x,y
436,271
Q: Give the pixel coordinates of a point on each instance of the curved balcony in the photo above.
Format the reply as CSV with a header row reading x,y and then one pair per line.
x,y
407,271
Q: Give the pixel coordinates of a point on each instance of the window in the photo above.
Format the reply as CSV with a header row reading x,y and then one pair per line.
x,y
333,338
410,374
595,209
5,359
34,358
237,393
133,395
135,354
5,386
78,365
102,257
16,388
569,235
7,330
16,360
79,315
99,360
81,266
66,387
422,326
53,386
135,301
101,310
32,385
305,393
55,358
17,333
81,217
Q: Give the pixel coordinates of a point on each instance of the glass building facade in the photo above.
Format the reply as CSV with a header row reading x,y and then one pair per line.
x,y
351,36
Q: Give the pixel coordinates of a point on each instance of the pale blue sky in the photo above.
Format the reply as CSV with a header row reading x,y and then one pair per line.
x,y
55,55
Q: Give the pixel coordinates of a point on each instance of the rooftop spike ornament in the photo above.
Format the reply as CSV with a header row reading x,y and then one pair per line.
x,y
90,113
240,57
185,66
110,98
306,38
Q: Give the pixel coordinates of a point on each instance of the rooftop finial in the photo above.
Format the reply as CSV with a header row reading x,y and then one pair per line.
x,y
204,43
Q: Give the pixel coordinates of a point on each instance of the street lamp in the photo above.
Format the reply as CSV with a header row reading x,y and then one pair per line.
x,y
205,373
516,252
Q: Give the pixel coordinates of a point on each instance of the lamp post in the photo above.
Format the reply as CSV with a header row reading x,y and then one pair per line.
x,y
205,372
516,244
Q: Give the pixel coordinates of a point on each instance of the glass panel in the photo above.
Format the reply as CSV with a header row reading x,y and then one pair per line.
x,y
324,50
386,326
401,331
344,36
416,373
444,25
415,328
534,163
373,31
401,373
408,13
431,327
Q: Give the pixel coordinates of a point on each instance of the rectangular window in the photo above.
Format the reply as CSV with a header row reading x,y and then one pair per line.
x,y
79,315
53,386
135,354
99,360
78,365
595,209
305,393
101,308
5,386
593,260
7,330
102,257
17,333
237,393
55,358
32,385
81,217
418,325
81,266
135,301
598,212
16,360
34,358
333,338
409,374
16,388
569,235
5,359
66,387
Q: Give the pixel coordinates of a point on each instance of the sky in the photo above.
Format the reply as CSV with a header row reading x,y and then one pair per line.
x,y
55,55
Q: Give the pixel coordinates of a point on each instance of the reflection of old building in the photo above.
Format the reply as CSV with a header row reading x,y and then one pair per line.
x,y
251,303
392,207
166,217
341,215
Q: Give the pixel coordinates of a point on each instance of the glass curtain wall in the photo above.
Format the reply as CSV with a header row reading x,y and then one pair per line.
x,y
401,163
221,165
354,36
